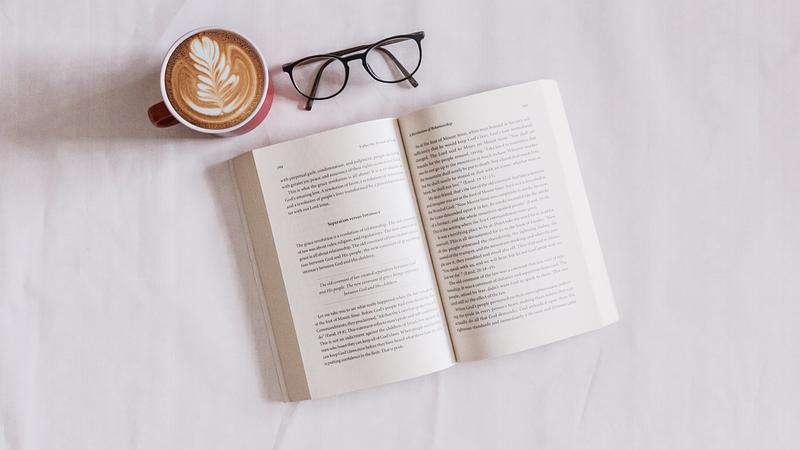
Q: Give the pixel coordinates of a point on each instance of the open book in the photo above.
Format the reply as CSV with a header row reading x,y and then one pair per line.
x,y
395,248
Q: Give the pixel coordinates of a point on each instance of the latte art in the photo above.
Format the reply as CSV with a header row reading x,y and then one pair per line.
x,y
214,79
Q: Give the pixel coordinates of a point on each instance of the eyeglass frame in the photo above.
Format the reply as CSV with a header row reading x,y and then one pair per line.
x,y
344,57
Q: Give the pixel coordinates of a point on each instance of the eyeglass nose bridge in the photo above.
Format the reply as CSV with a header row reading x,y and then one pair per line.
x,y
359,56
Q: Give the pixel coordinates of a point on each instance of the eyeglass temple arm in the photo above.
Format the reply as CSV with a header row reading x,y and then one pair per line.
x,y
310,101
350,50
397,63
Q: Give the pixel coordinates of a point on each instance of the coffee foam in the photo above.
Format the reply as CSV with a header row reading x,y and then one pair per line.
x,y
214,79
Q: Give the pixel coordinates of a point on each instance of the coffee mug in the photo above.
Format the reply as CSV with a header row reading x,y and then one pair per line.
x,y
213,81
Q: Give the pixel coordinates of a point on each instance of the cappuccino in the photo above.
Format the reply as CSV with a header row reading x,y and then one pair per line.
x,y
214,79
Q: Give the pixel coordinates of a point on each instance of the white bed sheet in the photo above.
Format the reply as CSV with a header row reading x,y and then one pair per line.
x,y
128,313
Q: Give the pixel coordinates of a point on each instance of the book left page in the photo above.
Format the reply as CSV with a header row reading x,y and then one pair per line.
x,y
351,256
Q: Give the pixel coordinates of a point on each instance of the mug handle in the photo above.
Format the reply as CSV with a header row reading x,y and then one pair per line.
x,y
160,116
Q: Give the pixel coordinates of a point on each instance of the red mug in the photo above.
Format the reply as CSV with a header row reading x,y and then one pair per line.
x,y
164,115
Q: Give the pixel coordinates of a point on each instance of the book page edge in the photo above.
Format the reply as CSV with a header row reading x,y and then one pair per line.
x,y
604,297
275,303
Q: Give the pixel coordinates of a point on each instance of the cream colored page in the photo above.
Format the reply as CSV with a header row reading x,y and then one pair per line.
x,y
354,260
515,256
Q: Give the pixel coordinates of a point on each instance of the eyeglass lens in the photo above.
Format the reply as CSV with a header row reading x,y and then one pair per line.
x,y
394,59
328,74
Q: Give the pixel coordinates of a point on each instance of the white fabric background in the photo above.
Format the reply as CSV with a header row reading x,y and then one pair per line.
x,y
128,314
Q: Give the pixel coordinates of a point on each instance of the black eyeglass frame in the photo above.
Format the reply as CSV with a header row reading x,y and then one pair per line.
x,y
344,57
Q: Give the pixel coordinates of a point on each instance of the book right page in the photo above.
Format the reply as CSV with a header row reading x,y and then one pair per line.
x,y
508,224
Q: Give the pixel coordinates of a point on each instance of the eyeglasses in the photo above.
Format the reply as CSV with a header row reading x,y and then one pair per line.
x,y
390,60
